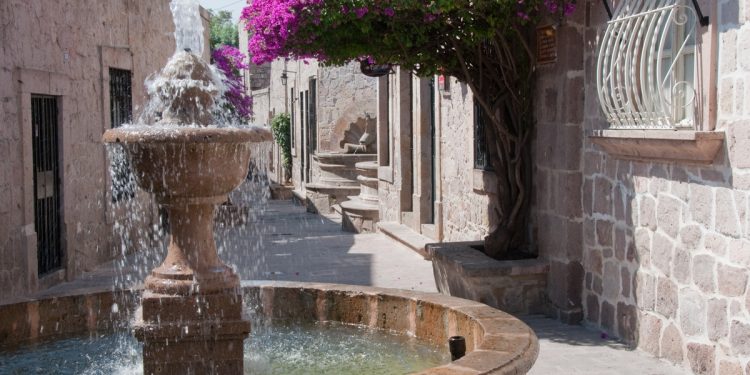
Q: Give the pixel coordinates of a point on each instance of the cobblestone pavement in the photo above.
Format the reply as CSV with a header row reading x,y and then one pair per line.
x,y
283,242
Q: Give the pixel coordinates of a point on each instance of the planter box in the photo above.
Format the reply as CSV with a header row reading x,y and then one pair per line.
x,y
515,286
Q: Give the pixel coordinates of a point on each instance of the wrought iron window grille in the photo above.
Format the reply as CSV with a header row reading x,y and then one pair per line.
x,y
647,66
701,18
47,183
121,112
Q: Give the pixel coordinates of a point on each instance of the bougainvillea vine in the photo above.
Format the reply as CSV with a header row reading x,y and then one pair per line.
x,y
231,61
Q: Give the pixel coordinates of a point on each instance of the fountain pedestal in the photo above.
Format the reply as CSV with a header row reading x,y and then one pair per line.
x,y
191,314
191,318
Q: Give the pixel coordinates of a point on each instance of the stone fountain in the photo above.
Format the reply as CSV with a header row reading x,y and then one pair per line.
x,y
191,317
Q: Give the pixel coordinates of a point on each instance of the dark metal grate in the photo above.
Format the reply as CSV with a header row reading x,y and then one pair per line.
x,y
120,96
47,200
412,139
481,152
292,119
302,140
306,154
389,110
313,116
433,167
121,112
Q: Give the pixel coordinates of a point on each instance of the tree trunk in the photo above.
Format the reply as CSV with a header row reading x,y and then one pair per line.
x,y
509,234
500,74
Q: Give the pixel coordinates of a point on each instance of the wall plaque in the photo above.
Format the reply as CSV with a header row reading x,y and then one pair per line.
x,y
546,45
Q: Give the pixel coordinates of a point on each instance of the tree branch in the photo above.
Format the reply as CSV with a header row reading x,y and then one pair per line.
x,y
477,94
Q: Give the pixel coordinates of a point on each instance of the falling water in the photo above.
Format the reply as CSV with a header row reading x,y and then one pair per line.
x,y
188,33
187,93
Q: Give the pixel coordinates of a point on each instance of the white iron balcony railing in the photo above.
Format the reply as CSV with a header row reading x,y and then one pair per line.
x,y
646,69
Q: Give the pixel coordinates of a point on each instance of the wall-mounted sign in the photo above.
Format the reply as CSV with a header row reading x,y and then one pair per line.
x,y
444,83
546,45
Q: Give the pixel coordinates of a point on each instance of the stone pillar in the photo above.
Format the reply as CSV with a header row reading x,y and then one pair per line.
x,y
360,214
191,315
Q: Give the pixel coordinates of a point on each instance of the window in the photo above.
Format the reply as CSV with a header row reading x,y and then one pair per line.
x,y
313,116
121,112
646,68
481,152
47,197
292,119
388,121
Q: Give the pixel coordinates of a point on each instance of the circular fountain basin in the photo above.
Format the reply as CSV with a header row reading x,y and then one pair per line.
x,y
204,162
497,343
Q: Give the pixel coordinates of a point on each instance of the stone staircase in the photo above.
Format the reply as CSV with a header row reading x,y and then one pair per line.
x,y
361,213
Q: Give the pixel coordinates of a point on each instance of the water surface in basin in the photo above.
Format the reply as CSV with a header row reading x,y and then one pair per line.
x,y
321,348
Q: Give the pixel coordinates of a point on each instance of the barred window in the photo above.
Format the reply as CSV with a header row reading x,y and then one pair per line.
x,y
292,120
121,112
481,152
647,67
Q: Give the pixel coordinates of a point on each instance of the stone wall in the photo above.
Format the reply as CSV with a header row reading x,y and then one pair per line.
x,y
257,77
656,254
558,162
65,49
666,248
344,95
390,172
466,204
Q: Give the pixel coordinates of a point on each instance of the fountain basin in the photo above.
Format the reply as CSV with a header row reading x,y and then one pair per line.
x,y
497,343
203,162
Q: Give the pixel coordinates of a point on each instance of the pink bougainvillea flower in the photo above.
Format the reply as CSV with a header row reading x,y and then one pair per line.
x,y
230,61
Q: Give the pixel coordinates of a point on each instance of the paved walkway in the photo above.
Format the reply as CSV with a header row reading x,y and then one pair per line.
x,y
283,242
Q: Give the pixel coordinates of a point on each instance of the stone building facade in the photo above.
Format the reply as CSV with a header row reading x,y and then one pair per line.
x,y
646,233
665,243
57,67
428,181
322,102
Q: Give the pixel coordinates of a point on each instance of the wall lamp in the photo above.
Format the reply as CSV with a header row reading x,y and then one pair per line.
x,y
285,77
701,18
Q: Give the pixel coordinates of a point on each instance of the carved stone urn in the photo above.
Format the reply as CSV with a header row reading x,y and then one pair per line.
x,y
191,318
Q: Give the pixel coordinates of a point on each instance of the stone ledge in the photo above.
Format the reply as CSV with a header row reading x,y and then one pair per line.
x,y
385,174
685,146
515,286
406,236
358,216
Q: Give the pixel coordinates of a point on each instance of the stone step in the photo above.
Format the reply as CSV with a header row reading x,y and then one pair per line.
x,y
281,192
369,199
359,217
367,165
358,206
336,208
332,189
406,236
299,197
365,179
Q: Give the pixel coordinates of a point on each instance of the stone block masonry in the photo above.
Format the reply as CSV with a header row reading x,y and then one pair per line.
x,y
667,245
65,49
513,286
